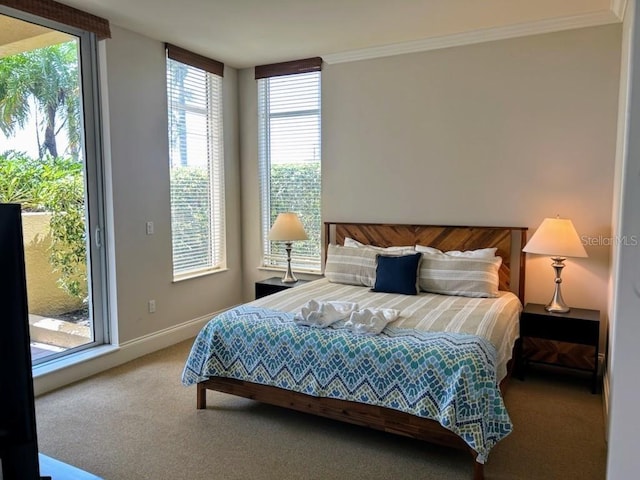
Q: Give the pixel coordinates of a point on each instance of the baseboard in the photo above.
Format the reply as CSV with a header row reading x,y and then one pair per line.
x,y
75,367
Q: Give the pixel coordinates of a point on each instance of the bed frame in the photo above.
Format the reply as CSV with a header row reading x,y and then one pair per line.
x,y
507,240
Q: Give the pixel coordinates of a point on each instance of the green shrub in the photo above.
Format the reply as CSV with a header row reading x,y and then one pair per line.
x,y
190,226
189,219
20,180
64,198
304,199
54,185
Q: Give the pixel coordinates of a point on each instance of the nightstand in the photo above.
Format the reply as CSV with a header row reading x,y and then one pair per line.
x,y
273,285
578,326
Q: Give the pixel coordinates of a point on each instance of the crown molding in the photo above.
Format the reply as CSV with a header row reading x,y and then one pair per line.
x,y
481,36
618,7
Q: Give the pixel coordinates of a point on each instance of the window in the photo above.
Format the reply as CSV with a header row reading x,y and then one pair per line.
x,y
196,157
289,157
51,163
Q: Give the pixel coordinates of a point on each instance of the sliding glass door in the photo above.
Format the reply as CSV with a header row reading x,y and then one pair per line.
x,y
50,163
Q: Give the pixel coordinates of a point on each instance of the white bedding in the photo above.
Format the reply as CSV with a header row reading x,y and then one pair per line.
x,y
495,319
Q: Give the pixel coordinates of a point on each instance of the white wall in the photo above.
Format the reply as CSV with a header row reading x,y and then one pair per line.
x,y
623,461
140,174
499,133
621,152
135,106
251,218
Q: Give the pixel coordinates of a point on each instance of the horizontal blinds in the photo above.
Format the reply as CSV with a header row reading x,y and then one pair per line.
x,y
196,160
298,261
290,161
64,14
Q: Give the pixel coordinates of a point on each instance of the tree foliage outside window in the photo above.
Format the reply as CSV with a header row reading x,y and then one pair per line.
x,y
304,200
40,95
190,209
42,86
56,186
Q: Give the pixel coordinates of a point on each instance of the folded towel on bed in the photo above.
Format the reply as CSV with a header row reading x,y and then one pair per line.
x,y
371,321
322,314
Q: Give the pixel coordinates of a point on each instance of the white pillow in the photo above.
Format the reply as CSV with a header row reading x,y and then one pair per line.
x,y
480,253
429,250
350,242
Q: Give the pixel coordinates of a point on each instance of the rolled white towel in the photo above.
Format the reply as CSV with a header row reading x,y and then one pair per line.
x,y
310,314
371,321
322,314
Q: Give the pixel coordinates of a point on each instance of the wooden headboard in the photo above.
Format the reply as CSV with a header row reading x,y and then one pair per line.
x,y
508,240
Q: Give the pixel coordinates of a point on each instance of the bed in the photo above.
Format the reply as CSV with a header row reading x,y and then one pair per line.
x,y
458,403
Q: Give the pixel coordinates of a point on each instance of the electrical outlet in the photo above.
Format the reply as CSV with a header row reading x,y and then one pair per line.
x,y
150,229
152,306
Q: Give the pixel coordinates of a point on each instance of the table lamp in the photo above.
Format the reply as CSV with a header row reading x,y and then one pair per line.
x,y
287,228
557,238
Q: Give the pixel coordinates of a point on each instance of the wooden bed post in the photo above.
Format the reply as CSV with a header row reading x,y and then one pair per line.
x,y
478,471
327,239
478,468
201,401
523,264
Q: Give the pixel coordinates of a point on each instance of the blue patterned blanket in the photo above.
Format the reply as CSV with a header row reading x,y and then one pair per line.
x,y
446,377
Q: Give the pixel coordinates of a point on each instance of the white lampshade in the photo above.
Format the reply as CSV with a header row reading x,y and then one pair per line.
x,y
287,227
556,237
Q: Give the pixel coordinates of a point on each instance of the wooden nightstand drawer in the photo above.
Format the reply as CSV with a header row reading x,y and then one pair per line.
x,y
564,339
561,328
565,354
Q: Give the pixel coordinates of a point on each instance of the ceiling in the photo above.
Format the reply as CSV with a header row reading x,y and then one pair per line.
x,y
17,36
244,33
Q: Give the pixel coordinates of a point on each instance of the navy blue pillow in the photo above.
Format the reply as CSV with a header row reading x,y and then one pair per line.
x,y
397,274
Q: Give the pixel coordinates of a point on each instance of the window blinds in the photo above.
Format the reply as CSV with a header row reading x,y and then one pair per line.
x,y
289,156
196,169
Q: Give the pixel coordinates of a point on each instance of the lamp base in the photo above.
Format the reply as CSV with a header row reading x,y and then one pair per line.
x,y
555,308
289,277
557,305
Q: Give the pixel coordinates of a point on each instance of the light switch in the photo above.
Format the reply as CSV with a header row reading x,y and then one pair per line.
x,y
150,230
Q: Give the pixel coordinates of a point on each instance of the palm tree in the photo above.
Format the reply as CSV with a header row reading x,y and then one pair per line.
x,y
47,78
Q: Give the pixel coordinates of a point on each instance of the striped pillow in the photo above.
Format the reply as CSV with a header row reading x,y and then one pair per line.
x,y
462,276
351,265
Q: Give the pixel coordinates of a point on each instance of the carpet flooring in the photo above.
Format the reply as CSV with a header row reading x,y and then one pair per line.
x,y
138,422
